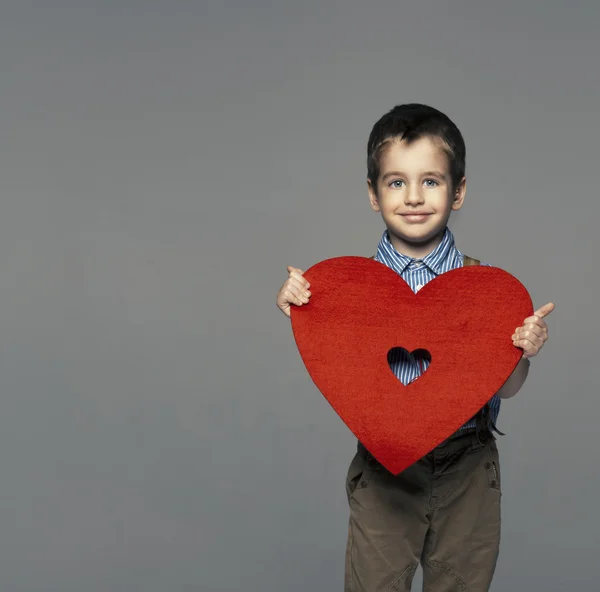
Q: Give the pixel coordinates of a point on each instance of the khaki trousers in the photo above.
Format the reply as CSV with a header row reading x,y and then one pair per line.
x,y
443,512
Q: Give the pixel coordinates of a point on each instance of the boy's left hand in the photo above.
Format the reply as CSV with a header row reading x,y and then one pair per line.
x,y
534,332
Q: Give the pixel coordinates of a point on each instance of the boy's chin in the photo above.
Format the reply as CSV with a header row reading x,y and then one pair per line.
x,y
416,238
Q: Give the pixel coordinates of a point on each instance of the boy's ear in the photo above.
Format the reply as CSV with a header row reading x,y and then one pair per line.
x,y
373,196
459,194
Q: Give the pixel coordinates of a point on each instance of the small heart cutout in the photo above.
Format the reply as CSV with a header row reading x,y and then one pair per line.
x,y
419,357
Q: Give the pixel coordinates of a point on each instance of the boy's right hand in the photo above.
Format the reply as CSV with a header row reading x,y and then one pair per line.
x,y
295,290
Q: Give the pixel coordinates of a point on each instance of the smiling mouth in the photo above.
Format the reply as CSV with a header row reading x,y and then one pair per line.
x,y
415,217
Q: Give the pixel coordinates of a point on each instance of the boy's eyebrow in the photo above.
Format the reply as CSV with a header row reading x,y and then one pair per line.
x,y
425,174
434,174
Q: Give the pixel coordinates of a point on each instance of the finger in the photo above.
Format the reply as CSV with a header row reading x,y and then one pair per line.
x,y
530,346
535,320
539,314
291,298
530,333
544,311
299,287
530,330
526,346
295,272
528,342
297,293
302,281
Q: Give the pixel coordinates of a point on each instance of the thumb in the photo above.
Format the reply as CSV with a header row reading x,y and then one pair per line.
x,y
545,310
291,269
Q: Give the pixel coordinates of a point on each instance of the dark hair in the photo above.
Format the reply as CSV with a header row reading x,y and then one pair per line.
x,y
411,122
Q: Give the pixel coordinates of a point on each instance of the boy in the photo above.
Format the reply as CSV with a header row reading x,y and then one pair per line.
x,y
443,511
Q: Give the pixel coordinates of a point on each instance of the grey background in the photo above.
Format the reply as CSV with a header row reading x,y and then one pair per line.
x,y
160,165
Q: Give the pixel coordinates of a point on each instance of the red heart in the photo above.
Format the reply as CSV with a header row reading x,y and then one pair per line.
x,y
360,309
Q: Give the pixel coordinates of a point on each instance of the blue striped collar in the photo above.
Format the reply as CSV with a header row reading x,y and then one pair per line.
x,y
434,260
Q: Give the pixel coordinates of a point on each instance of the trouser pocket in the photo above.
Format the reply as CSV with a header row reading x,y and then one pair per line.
x,y
359,473
492,466
355,472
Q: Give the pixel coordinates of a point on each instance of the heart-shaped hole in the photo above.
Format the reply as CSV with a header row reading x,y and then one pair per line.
x,y
408,366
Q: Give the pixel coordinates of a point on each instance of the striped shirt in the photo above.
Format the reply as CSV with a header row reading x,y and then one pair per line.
x,y
416,273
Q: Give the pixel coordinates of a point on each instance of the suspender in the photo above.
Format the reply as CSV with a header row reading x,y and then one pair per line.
x,y
471,261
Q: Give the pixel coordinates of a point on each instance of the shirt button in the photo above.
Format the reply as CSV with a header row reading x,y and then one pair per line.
x,y
419,286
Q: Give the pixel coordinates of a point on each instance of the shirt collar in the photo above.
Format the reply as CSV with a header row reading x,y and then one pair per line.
x,y
386,253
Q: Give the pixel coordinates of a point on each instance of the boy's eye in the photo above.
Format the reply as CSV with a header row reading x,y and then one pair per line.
x,y
396,184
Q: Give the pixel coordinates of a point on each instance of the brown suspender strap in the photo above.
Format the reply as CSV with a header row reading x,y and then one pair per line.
x,y
471,261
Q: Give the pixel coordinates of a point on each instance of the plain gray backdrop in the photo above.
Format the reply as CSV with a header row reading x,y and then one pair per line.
x,y
160,165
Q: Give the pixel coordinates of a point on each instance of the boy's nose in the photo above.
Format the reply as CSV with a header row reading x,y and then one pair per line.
x,y
413,196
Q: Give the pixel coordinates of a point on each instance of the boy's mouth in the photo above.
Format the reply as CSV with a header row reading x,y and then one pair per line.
x,y
416,216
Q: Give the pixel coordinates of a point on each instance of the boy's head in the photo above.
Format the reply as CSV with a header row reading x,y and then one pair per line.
x,y
411,122
416,168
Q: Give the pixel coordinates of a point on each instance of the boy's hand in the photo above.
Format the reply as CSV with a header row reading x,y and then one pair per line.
x,y
294,291
534,332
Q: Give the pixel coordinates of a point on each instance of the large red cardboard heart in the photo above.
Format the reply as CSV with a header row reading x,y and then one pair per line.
x,y
360,309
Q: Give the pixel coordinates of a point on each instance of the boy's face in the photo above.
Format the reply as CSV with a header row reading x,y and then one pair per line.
x,y
414,194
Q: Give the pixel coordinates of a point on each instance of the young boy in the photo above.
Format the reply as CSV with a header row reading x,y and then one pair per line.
x,y
443,511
